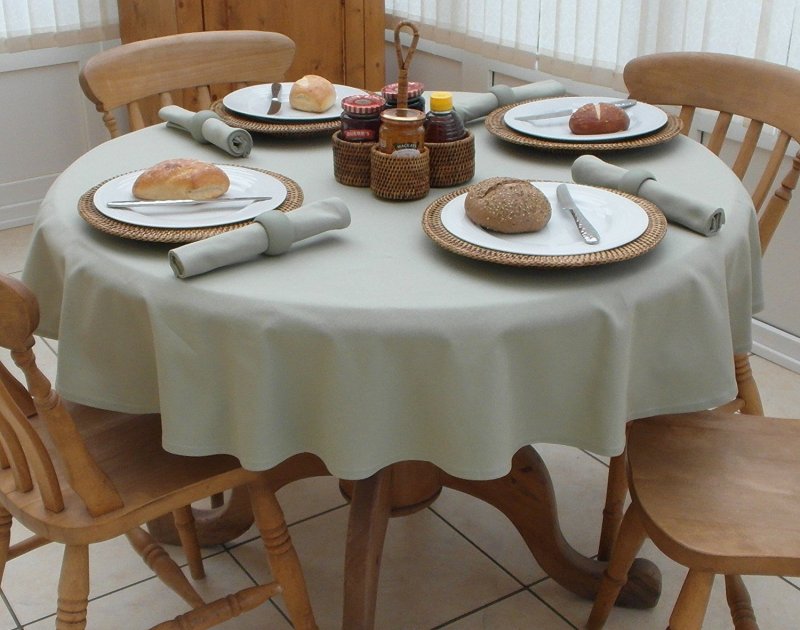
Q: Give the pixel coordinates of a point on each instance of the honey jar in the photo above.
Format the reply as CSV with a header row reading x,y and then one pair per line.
x,y
401,129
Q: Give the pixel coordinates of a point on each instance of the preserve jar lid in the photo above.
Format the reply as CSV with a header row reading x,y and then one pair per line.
x,y
363,104
403,114
415,88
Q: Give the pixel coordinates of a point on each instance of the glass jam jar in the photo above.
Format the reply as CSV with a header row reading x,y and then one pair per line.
x,y
361,117
415,100
401,129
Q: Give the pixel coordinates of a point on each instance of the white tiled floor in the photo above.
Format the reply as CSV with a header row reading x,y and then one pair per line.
x,y
458,564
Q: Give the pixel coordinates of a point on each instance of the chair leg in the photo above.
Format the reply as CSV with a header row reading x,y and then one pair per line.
x,y
163,566
690,609
73,588
739,603
283,560
223,609
630,539
616,492
5,539
748,389
187,532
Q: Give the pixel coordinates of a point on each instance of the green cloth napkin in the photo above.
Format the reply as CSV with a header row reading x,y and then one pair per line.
x,y
476,106
206,127
271,233
701,217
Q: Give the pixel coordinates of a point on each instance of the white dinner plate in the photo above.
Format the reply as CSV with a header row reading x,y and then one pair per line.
x,y
253,101
245,182
645,119
618,220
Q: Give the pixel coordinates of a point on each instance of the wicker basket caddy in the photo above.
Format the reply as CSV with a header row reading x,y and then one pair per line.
x,y
441,164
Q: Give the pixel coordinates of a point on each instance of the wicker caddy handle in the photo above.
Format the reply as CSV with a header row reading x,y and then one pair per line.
x,y
403,63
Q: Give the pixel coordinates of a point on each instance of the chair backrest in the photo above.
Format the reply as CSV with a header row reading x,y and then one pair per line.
x,y
763,93
127,74
21,408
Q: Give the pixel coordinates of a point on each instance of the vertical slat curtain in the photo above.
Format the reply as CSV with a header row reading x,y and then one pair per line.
x,y
592,40
586,40
32,24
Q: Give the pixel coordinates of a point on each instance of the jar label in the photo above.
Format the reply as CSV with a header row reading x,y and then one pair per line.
x,y
359,134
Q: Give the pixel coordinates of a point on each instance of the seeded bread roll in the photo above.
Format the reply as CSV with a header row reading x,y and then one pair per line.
x,y
508,205
594,118
181,178
312,93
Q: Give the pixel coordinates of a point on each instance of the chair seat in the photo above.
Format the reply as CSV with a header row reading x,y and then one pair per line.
x,y
731,501
127,448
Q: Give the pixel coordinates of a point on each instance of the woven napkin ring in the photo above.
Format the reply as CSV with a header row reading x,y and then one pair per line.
x,y
279,231
632,181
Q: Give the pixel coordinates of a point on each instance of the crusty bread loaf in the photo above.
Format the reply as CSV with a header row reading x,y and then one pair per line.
x,y
312,93
181,178
594,118
508,205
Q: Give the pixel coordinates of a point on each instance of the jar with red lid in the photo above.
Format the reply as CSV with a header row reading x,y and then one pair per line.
x,y
361,117
415,99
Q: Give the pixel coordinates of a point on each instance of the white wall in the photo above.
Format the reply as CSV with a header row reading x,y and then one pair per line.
x,y
46,123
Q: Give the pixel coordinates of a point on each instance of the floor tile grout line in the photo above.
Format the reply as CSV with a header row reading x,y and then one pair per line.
x,y
790,583
478,609
548,604
595,457
231,546
256,582
10,610
478,547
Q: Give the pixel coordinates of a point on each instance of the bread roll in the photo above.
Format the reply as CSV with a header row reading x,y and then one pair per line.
x,y
312,93
594,118
508,205
181,178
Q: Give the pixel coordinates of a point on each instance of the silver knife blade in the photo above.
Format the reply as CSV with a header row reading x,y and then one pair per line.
x,y
275,104
568,112
138,203
588,233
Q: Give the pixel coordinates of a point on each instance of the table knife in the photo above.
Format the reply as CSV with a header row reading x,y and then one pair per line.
x,y
568,112
139,203
275,104
586,229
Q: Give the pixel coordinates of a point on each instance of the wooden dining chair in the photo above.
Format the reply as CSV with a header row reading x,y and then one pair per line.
x,y
718,493
78,475
738,91
126,75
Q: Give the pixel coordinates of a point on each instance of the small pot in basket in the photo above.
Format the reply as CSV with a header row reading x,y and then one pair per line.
x,y
452,163
400,178
351,161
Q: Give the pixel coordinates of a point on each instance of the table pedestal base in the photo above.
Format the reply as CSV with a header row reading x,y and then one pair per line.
x,y
525,495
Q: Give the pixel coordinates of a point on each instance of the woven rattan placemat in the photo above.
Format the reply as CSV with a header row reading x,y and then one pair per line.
x,y
95,218
274,129
654,232
494,123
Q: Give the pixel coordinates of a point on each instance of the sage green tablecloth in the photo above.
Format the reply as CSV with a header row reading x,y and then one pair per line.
x,y
372,345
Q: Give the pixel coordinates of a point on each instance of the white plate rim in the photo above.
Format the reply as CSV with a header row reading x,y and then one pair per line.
x,y
560,236
645,119
266,185
241,102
